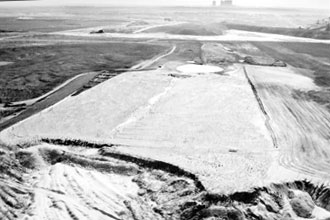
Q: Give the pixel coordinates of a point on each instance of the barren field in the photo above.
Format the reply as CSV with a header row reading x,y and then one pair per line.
x,y
159,116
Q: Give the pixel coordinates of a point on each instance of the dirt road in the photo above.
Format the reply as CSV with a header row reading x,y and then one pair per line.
x,y
50,99
228,36
148,63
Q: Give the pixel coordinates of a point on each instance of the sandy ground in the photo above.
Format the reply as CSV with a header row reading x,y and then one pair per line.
x,y
155,26
79,183
301,126
80,193
193,122
193,68
106,100
233,131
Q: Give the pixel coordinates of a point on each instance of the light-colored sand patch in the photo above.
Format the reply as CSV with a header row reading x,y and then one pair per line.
x,y
199,126
258,36
26,18
194,69
157,25
4,63
63,191
93,114
320,213
281,76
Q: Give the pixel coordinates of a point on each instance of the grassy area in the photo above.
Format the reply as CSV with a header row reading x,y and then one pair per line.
x,y
297,32
38,69
187,51
50,24
316,49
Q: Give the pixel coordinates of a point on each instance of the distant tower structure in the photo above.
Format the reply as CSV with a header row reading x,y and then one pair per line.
x,y
214,3
226,2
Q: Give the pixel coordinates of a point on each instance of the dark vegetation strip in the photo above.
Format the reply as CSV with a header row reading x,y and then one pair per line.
x,y
36,70
155,164
262,108
54,156
74,142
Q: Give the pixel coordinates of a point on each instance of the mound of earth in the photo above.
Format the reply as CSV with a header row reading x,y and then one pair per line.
x,y
190,29
45,181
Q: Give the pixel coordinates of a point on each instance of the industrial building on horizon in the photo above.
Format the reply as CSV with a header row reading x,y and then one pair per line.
x,y
223,3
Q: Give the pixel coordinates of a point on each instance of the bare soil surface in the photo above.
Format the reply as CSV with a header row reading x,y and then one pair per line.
x,y
207,126
152,126
53,181
300,126
173,143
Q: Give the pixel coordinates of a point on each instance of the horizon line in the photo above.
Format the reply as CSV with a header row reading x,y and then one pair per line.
x,y
155,6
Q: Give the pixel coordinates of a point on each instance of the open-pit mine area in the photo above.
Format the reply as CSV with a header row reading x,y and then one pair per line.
x,y
164,119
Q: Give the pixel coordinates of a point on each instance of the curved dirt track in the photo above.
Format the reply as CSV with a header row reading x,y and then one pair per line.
x,y
148,63
53,97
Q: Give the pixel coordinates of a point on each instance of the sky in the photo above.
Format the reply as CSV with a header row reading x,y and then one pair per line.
x,y
325,4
